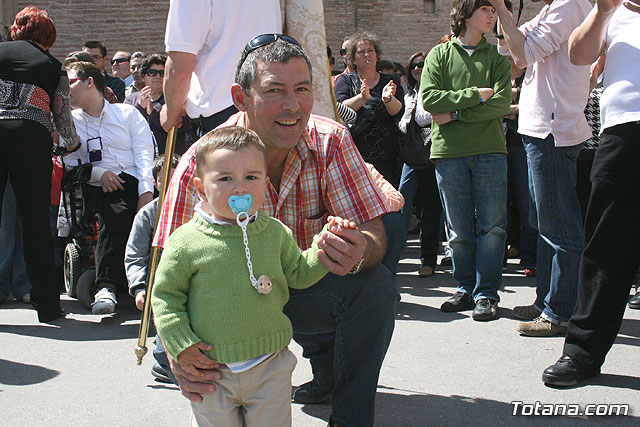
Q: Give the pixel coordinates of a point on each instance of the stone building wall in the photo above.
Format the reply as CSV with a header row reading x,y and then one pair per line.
x,y
404,26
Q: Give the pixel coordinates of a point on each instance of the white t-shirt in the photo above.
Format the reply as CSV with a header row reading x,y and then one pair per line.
x,y
620,101
216,31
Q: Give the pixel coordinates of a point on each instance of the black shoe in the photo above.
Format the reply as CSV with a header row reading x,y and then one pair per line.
x,y
568,372
460,301
485,309
446,261
634,302
160,374
46,315
315,391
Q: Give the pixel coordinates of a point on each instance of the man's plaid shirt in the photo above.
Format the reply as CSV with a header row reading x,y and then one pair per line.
x,y
323,175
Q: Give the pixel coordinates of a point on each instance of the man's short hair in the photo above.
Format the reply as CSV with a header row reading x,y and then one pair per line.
x,y
77,56
365,36
278,51
158,163
384,64
234,138
137,55
92,44
152,59
128,55
462,10
84,70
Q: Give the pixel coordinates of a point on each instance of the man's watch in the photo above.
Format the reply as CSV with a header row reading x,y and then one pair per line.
x,y
454,115
358,267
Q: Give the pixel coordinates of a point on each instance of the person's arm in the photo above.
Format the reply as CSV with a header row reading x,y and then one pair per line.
x,y
587,41
498,104
142,148
62,113
136,254
344,92
302,268
435,99
513,38
177,80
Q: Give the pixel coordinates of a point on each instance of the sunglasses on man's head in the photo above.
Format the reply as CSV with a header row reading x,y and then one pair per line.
x,y
119,60
417,64
153,73
266,39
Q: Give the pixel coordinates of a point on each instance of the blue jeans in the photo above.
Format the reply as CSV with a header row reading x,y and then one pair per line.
x,y
13,273
423,183
473,190
556,215
519,181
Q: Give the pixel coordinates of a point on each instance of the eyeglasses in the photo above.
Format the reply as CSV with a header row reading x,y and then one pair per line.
x,y
266,39
120,60
72,81
343,51
153,73
417,65
96,57
135,67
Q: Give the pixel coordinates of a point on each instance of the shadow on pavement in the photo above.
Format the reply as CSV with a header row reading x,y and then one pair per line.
x,y
412,311
15,373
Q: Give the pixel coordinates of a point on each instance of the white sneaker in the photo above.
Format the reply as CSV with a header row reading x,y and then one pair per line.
x,y
105,302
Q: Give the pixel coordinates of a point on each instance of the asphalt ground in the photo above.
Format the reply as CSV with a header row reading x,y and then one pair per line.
x,y
442,369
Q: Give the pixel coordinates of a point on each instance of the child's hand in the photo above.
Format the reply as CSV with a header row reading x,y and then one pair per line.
x,y
191,359
336,221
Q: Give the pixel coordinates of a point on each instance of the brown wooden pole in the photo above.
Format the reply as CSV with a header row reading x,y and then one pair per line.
x,y
154,258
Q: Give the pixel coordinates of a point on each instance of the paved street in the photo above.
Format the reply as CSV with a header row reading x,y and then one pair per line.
x,y
442,369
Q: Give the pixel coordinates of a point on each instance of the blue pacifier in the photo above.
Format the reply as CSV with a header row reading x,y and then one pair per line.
x,y
240,203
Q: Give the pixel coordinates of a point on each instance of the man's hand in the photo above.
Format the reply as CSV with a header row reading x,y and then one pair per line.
x,y
633,5
194,386
441,118
389,91
167,122
485,93
143,199
596,69
111,182
192,360
342,247
139,299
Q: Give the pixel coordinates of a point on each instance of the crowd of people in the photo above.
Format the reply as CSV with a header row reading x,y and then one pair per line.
x,y
523,149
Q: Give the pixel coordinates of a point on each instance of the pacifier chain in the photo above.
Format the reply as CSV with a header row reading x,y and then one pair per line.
x,y
241,205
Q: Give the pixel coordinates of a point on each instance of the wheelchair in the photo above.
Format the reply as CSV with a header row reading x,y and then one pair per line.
x,y
79,270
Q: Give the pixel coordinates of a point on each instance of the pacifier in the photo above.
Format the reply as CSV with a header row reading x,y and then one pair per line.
x,y
240,203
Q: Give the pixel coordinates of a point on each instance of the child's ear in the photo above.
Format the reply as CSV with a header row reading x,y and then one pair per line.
x,y
200,188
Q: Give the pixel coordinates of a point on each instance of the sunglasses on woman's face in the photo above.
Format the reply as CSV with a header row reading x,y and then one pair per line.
x,y
153,73
417,64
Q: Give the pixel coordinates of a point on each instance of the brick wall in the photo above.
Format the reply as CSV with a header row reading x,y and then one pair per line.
x,y
403,26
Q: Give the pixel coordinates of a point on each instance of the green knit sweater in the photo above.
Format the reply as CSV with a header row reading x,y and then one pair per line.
x,y
450,81
202,290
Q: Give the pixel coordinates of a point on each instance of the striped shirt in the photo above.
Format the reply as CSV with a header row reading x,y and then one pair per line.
x,y
323,175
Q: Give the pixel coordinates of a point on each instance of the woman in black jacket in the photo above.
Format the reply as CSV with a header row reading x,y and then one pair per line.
x,y
33,88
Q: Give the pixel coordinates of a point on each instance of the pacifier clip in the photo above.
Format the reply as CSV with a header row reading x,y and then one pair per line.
x,y
241,206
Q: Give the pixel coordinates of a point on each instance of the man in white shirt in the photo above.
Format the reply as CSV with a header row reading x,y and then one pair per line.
x,y
613,214
118,142
204,39
553,126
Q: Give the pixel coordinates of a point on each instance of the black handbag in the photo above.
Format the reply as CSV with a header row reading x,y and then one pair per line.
x,y
416,144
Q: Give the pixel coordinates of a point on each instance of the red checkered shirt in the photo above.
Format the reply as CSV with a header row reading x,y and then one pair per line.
x,y
323,175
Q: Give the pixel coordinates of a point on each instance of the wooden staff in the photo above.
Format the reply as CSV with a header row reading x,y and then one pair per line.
x,y
141,348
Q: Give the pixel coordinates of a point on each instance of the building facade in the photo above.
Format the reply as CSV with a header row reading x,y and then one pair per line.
x,y
403,26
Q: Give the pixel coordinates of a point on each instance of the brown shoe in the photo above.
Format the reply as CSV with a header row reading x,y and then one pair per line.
x,y
541,327
425,271
525,312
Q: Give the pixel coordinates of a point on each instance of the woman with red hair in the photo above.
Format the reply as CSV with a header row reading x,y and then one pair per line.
x,y
33,87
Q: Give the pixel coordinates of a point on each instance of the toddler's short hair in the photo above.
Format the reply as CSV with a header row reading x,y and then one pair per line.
x,y
232,138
